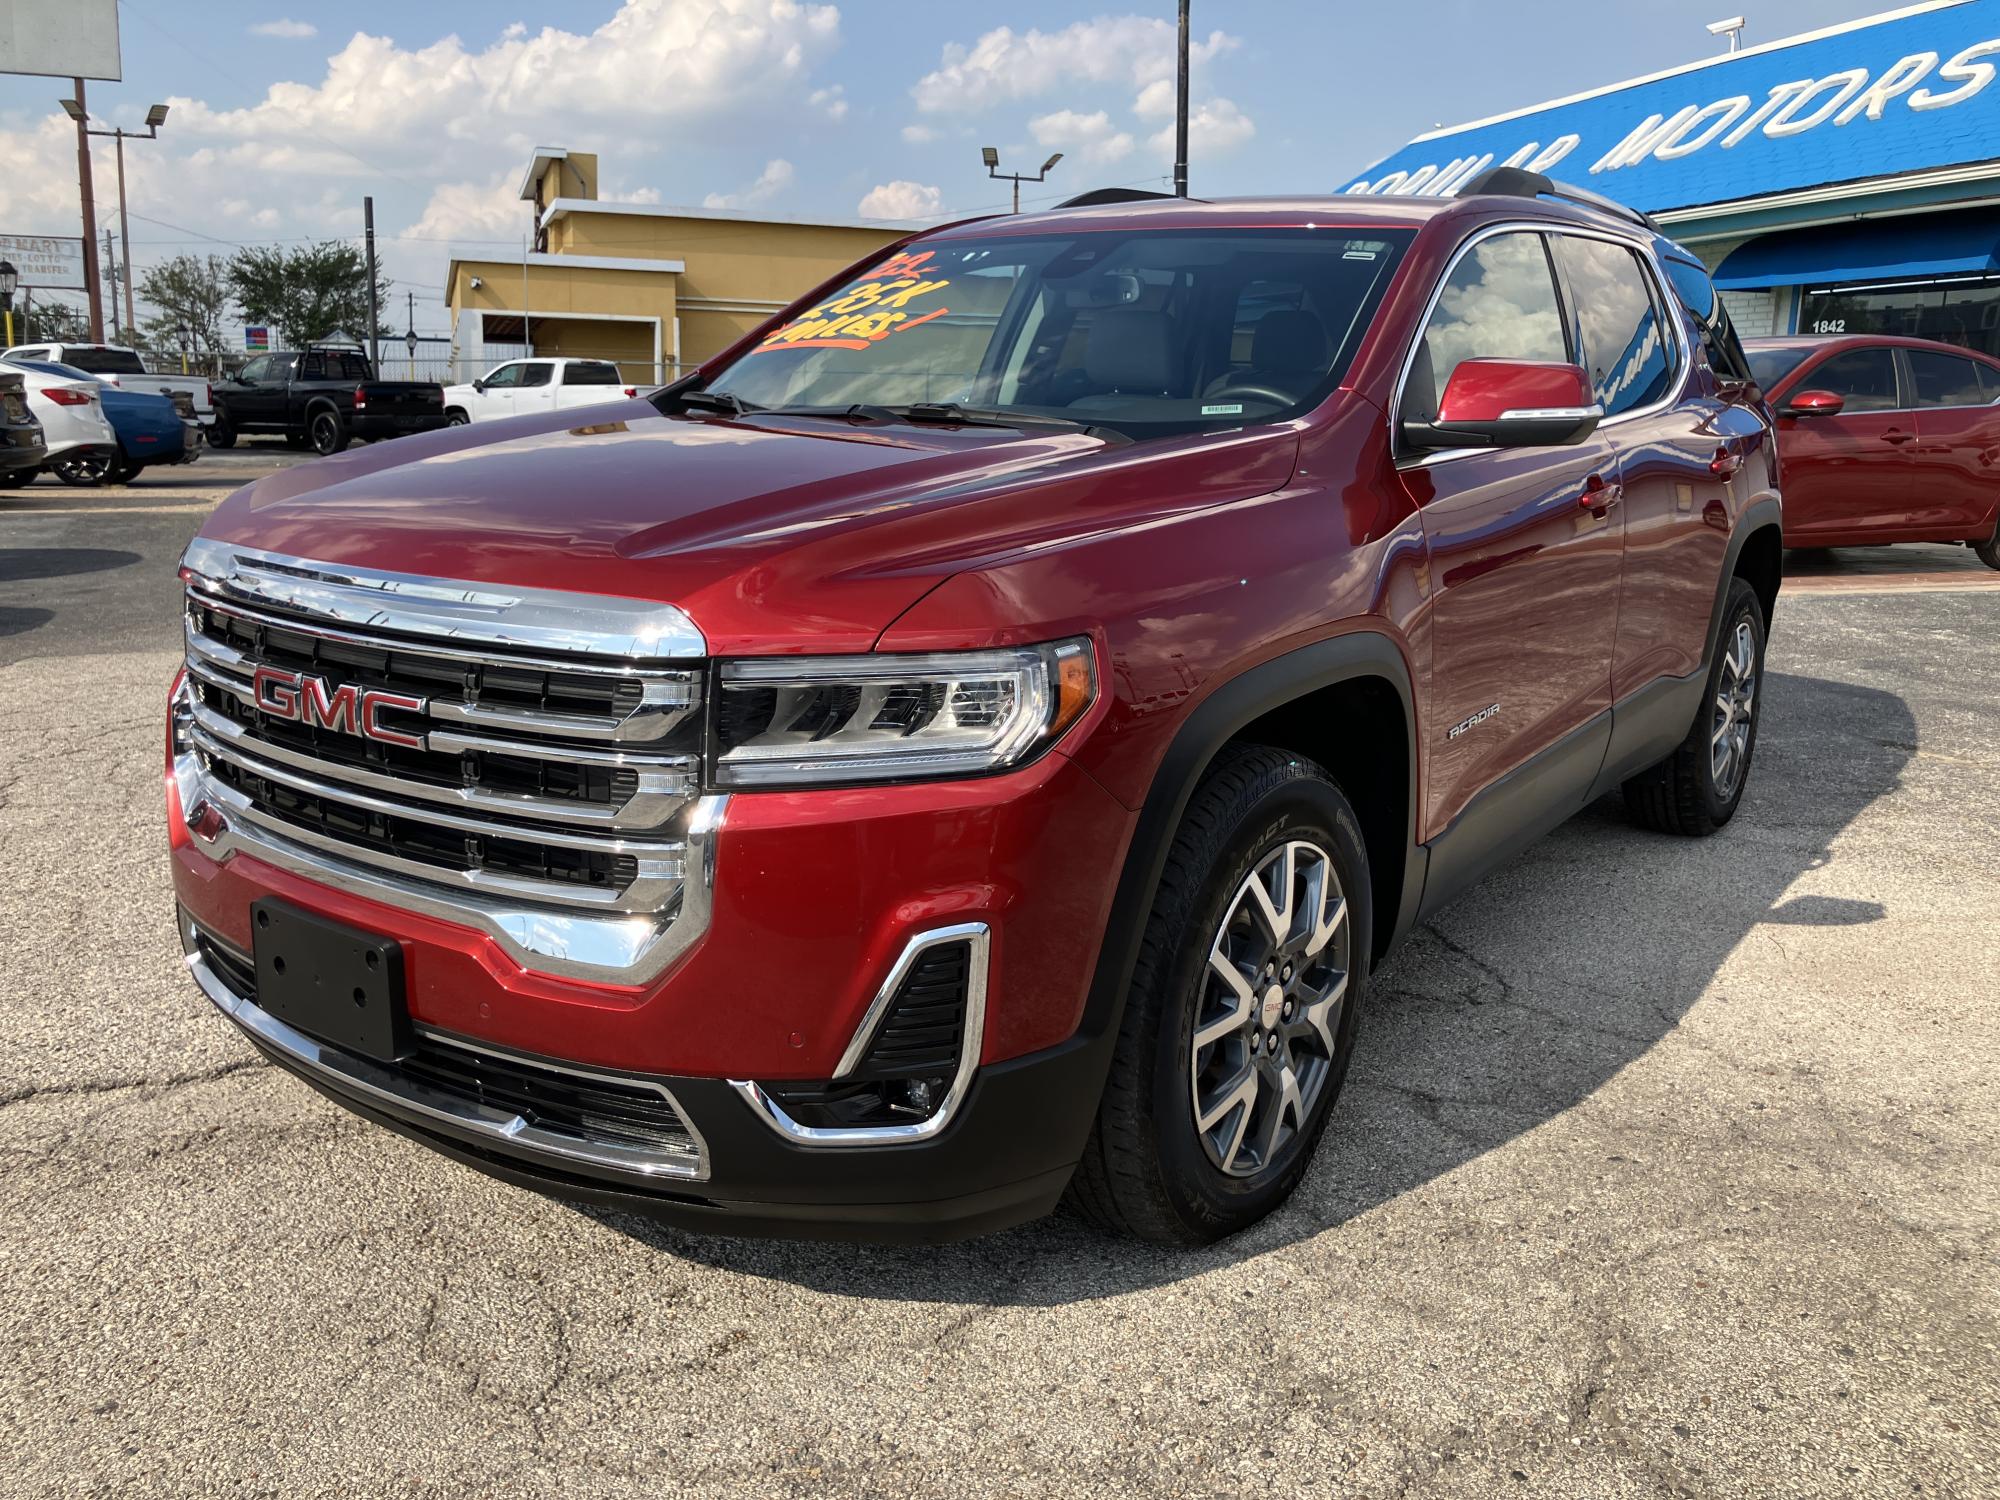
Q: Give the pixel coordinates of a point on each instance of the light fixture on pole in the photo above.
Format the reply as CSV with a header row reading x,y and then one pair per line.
x,y
1731,28
155,118
185,336
9,280
991,157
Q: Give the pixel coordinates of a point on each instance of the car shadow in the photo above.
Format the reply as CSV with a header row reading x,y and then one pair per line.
x,y
1510,1007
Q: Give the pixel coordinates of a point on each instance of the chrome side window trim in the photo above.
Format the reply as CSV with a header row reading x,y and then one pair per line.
x,y
1541,227
390,1089
530,619
979,936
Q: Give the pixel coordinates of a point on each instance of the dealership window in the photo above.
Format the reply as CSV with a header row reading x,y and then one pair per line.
x,y
1963,312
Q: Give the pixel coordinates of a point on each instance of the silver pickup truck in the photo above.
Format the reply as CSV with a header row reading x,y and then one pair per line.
x,y
115,365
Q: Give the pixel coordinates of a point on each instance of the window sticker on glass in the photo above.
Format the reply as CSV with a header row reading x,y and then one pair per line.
x,y
1225,409
896,297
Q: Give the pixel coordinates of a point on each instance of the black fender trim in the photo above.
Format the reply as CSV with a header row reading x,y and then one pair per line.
x,y
1757,516
1212,724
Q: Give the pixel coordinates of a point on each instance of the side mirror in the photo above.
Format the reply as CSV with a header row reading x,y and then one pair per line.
x,y
479,386
1510,403
1814,404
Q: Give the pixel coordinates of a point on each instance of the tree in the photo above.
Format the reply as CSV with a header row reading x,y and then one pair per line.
x,y
191,292
50,323
308,293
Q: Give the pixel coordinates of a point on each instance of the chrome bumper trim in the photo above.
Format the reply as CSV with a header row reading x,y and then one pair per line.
x,y
610,947
400,1095
773,1114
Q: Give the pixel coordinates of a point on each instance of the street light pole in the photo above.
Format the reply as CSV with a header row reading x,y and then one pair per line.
x,y
9,280
79,112
1181,113
991,157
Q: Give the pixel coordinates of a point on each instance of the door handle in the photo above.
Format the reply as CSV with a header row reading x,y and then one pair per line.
x,y
1725,463
1599,495
1896,435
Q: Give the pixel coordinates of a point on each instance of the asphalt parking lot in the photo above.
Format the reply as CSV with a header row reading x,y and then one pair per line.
x,y
1664,1168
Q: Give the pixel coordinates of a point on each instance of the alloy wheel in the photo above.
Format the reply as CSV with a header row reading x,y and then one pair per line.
x,y
1735,711
1269,1010
326,433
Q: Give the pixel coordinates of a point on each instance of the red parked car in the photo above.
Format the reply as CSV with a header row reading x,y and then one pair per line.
x,y
975,739
1885,440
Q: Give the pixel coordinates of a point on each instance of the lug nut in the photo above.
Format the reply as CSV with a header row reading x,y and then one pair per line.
x,y
1288,971
1288,1010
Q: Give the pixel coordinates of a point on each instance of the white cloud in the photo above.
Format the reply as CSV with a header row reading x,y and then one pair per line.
x,y
1215,128
1004,65
287,30
655,61
1155,101
1091,137
901,199
774,179
489,211
832,100
918,135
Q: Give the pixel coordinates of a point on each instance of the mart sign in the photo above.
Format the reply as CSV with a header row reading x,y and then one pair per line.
x,y
45,261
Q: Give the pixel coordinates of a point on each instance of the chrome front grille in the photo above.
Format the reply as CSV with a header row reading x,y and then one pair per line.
x,y
524,757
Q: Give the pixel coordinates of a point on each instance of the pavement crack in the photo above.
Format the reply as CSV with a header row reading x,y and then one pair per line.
x,y
155,1086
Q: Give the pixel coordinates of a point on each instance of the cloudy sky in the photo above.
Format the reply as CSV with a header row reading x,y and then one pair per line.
x,y
284,117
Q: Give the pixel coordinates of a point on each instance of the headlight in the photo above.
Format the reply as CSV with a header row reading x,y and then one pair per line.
x,y
809,721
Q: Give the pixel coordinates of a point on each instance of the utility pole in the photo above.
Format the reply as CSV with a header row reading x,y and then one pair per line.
x,y
80,115
368,226
110,264
1181,113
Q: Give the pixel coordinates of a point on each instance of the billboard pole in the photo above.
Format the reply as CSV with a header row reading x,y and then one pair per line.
x,y
89,217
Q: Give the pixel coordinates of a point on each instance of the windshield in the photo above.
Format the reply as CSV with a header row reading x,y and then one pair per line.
x,y
1770,366
105,361
1148,333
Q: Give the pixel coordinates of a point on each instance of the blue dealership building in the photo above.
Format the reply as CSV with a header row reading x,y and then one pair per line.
x,y
1843,181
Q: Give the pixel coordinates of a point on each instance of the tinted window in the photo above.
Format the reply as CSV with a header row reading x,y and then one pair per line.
x,y
592,374
348,366
1989,383
1719,343
1624,347
1866,378
104,361
536,374
1945,379
1499,303
1769,366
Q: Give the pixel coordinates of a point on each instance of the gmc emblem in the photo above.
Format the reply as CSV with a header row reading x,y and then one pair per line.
x,y
346,709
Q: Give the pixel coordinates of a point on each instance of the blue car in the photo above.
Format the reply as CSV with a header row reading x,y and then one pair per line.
x,y
150,431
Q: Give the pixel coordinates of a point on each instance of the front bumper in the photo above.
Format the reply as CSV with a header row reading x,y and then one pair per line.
x,y
1005,1159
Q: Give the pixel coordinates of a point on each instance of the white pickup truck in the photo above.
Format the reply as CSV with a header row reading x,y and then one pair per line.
x,y
529,385
114,365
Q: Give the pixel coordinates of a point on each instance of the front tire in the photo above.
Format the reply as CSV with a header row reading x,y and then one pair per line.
x,y
1988,551
1240,1021
456,417
1696,790
327,432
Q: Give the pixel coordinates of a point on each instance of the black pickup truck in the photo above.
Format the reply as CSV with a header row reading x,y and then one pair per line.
x,y
321,397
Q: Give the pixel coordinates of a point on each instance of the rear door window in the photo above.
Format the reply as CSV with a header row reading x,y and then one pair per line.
x,y
1629,354
1865,379
537,373
591,373
1944,379
1719,342
1498,303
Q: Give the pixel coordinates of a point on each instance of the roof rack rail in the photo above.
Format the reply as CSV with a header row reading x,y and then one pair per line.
x,y
1097,197
1516,182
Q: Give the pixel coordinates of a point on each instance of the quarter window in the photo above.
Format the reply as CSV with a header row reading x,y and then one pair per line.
x,y
1625,346
1865,379
1945,379
1499,303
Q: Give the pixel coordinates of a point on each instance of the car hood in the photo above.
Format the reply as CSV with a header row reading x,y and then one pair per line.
x,y
774,535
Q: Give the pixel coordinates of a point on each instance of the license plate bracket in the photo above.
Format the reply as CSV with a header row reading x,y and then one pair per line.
x,y
331,981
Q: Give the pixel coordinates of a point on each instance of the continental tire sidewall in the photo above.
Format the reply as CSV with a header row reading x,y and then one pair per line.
x,y
1211,1202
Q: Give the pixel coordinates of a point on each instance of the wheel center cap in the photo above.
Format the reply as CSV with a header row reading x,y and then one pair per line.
x,y
1272,1008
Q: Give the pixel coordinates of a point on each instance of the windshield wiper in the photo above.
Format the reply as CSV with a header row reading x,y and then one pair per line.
x,y
722,401
952,414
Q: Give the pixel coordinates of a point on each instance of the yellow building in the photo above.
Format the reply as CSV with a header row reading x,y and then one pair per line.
x,y
657,289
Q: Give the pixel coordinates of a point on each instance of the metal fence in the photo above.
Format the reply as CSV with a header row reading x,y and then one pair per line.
x,y
435,359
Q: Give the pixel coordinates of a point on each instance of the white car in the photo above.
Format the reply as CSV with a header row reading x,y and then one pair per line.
x,y
71,413
122,367
529,385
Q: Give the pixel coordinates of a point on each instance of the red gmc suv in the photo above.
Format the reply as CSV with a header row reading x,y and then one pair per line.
x,y
973,740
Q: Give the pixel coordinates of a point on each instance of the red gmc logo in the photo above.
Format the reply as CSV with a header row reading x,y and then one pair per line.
x,y
346,709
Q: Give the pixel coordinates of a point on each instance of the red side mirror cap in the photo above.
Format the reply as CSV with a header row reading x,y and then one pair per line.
x,y
1513,403
1815,404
